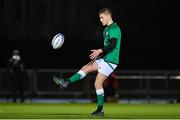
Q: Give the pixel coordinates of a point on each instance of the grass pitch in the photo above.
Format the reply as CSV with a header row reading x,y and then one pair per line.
x,y
82,111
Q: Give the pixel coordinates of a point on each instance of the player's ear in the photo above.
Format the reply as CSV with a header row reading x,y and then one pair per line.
x,y
108,16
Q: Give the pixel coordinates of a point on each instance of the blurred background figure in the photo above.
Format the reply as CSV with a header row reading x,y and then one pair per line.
x,y
110,86
16,74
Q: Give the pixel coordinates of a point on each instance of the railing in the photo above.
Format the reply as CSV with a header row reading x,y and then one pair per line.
x,y
144,84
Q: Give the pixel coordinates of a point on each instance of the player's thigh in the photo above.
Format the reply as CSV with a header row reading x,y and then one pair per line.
x,y
100,78
90,67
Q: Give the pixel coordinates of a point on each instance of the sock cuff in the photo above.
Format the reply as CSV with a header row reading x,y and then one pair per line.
x,y
100,91
82,73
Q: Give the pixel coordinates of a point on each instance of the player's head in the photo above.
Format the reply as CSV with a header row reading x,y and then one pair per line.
x,y
15,52
16,55
105,16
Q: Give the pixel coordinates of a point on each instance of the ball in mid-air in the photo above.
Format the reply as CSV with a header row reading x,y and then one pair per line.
x,y
57,41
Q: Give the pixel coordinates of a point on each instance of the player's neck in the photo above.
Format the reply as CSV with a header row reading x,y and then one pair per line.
x,y
110,22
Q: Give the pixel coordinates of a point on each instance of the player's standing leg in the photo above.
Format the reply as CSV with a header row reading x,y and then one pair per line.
x,y
104,70
100,78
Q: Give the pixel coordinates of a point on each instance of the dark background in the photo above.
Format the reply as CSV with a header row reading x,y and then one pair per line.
x,y
150,28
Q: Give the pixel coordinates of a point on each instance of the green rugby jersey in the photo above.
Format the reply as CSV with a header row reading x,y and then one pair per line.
x,y
112,31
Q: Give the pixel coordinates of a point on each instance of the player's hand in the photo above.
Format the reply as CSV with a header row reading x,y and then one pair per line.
x,y
95,54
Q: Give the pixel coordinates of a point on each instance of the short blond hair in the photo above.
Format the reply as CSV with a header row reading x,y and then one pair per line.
x,y
105,11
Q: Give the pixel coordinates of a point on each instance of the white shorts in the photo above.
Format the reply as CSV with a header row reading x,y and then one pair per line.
x,y
106,68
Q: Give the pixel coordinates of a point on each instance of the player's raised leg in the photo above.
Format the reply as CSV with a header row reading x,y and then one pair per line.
x,y
64,83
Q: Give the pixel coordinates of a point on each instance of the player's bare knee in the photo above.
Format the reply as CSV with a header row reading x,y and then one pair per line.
x,y
86,69
83,68
97,85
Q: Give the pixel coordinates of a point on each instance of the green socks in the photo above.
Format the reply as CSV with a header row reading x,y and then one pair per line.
x,y
79,75
100,96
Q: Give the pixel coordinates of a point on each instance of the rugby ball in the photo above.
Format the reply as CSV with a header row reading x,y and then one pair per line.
x,y
57,41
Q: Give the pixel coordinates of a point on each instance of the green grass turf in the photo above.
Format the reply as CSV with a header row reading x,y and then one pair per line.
x,y
77,111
